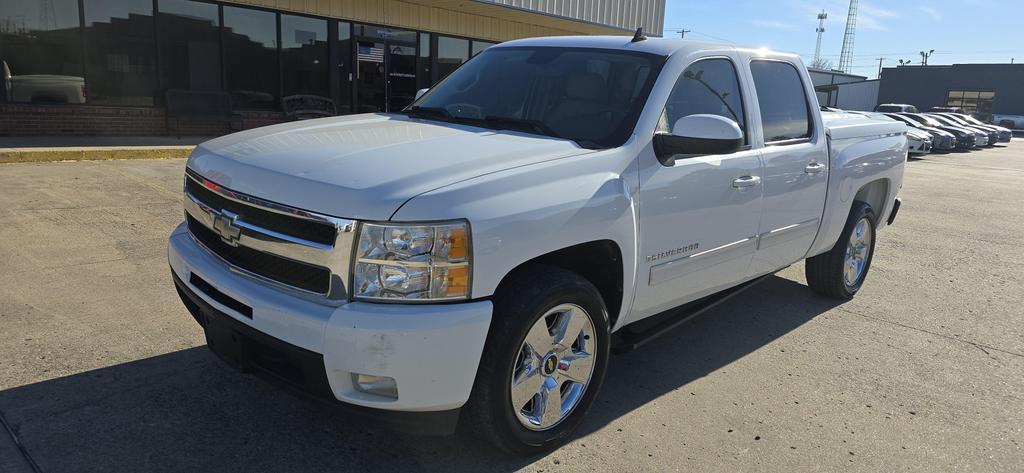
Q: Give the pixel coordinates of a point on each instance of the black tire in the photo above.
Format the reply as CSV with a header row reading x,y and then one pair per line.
x,y
825,272
518,304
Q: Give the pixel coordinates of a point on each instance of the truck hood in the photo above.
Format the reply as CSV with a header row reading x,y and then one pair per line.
x,y
364,166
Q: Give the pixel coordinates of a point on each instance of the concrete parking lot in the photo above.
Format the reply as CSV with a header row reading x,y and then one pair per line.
x,y
102,369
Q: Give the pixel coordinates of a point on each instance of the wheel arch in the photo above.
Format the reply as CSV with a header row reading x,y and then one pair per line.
x,y
875,194
599,262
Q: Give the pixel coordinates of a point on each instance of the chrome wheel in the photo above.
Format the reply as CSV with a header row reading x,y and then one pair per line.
x,y
553,367
857,251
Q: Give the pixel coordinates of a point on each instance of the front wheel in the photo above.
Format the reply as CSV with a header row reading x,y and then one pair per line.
x,y
544,362
840,272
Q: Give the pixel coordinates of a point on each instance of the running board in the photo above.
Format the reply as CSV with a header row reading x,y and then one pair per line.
x,y
638,333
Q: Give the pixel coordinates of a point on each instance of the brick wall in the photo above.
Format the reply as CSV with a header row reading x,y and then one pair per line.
x,y
32,119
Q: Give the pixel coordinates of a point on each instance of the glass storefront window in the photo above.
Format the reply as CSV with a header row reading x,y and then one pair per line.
x,y
344,101
251,58
40,52
480,46
189,42
423,77
972,101
451,53
304,56
120,52
385,33
123,53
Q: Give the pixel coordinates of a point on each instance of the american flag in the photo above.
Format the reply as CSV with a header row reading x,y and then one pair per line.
x,y
370,53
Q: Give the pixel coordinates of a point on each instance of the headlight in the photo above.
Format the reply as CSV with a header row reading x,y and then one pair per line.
x,y
419,262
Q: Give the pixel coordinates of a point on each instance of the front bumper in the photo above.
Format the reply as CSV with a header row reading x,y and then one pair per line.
x,y
920,147
432,351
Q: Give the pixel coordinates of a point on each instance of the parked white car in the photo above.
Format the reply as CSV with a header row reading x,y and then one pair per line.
x,y
1013,122
919,141
479,254
896,108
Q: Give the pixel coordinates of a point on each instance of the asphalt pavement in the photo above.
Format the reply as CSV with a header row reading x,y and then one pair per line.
x,y
102,369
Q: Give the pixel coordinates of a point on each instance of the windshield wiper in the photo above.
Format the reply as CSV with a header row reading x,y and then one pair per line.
x,y
521,124
433,112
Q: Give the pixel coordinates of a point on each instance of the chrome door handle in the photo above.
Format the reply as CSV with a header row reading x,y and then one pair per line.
x,y
814,168
746,181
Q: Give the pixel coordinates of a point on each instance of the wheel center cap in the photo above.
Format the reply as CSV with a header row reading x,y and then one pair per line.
x,y
550,364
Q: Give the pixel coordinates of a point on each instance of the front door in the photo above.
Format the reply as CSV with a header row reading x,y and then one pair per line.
x,y
698,216
385,75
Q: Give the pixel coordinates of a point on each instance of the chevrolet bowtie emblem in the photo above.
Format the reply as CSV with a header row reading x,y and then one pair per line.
x,y
225,226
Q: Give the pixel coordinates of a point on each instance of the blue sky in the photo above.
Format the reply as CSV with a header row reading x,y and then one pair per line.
x,y
960,31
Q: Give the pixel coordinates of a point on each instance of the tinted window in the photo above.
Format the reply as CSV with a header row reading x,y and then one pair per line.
x,y
590,96
34,44
250,57
344,51
479,47
423,78
189,45
783,104
944,120
120,52
705,87
451,53
304,56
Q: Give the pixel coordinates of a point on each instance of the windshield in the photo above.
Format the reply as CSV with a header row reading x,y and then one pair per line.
x,y
945,120
902,119
923,120
956,119
970,119
590,96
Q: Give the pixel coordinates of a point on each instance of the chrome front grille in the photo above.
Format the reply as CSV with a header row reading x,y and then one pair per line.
x,y
294,248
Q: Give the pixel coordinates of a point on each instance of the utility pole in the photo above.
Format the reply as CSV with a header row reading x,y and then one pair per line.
x,y
682,33
880,66
925,56
821,29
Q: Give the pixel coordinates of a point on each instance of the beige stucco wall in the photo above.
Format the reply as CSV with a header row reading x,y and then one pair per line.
x,y
456,17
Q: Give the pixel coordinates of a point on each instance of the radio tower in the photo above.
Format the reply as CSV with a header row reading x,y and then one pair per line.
x,y
821,29
846,56
47,16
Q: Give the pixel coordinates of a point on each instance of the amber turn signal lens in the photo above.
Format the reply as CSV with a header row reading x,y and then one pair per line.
x,y
458,281
459,244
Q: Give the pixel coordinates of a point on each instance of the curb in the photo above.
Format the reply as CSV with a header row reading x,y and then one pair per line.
x,y
41,155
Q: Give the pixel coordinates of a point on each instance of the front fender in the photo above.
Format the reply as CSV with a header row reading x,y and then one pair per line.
x,y
522,213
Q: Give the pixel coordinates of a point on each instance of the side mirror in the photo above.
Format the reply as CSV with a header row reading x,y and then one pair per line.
x,y
419,93
698,135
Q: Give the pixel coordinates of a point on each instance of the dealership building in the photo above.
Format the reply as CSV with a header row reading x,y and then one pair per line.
x,y
983,89
153,67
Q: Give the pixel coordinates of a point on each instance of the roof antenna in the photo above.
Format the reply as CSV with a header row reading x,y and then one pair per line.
x,y
639,35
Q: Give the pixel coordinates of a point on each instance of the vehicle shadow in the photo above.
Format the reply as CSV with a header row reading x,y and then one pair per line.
x,y
187,411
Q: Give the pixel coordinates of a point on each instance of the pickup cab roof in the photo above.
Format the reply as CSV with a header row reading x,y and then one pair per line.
x,y
658,46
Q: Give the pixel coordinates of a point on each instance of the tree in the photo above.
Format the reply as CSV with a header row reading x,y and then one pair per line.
x,y
821,63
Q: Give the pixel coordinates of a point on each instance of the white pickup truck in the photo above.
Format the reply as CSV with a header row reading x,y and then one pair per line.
x,y
475,259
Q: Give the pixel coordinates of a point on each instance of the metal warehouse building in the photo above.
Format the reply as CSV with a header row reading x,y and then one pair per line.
x,y
978,88
137,67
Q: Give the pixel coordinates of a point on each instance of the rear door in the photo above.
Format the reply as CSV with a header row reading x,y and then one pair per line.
x,y
795,158
699,215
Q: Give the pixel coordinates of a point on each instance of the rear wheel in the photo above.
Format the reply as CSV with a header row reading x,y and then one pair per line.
x,y
840,272
544,362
